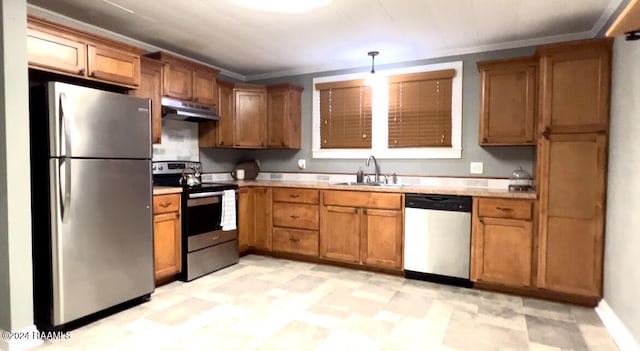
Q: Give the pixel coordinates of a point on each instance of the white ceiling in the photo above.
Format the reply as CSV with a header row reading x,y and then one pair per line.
x,y
256,44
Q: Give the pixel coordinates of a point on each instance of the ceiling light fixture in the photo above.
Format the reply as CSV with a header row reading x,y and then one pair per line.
x,y
282,6
374,80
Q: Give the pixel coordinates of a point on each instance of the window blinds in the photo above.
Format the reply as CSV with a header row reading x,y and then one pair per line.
x,y
420,109
345,115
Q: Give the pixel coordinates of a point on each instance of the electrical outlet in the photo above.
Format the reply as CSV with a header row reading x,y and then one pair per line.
x,y
302,163
476,168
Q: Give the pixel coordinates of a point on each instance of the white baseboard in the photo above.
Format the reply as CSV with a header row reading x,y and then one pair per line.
x,y
618,331
23,339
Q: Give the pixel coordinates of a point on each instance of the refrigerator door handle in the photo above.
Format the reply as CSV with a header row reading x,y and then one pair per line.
x,y
65,188
64,122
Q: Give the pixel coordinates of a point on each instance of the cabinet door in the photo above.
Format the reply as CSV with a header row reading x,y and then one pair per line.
x,y
277,110
572,180
382,238
502,251
574,88
250,118
262,218
507,102
178,81
205,88
167,244
245,218
340,233
113,65
226,110
151,88
51,52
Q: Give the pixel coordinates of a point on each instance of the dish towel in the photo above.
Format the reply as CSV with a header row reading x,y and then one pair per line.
x,y
228,218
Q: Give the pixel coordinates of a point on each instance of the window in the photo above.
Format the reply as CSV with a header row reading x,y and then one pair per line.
x,y
345,112
417,113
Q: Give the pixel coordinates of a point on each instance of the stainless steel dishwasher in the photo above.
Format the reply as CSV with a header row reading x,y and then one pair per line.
x,y
437,238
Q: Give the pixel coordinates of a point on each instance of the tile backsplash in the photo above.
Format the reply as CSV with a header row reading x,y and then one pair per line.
x,y
179,142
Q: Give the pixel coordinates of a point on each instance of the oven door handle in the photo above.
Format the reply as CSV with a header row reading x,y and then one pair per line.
x,y
207,194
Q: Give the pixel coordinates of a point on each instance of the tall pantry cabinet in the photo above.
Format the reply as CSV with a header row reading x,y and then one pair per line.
x,y
572,151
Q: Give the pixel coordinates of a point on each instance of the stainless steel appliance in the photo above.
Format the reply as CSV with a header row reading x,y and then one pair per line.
x,y
91,201
207,245
437,238
188,111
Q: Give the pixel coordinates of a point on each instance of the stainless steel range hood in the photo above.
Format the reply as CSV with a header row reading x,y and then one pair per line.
x,y
188,111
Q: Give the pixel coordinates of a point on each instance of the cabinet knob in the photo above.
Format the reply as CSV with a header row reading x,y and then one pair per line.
x,y
485,140
546,133
82,71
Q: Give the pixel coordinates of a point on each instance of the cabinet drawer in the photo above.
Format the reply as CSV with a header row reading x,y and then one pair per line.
x,y
304,242
505,208
303,196
362,199
300,216
166,203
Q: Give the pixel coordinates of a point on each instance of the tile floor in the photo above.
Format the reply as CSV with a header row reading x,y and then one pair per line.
x,y
271,304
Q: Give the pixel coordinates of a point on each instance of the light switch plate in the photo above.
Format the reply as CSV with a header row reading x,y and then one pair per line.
x,y
476,168
302,163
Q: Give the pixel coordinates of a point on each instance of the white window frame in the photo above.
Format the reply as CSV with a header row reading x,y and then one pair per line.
x,y
380,118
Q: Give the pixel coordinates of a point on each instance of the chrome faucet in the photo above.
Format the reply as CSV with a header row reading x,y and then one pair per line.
x,y
377,168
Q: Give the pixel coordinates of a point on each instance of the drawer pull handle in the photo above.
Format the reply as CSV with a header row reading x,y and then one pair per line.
x,y
294,216
165,205
504,209
295,240
215,238
294,196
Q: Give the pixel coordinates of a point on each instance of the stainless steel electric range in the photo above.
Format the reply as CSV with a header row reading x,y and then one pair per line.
x,y
206,247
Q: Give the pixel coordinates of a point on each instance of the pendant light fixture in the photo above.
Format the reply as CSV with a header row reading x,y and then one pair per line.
x,y
374,79
373,55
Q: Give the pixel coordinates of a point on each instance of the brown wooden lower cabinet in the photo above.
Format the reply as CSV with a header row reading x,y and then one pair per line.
x,y
502,242
572,195
254,207
382,238
167,238
340,233
295,221
364,235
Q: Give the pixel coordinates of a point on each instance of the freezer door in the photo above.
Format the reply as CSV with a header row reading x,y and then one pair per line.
x,y
101,235
93,123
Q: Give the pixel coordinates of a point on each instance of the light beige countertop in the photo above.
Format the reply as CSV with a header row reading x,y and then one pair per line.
x,y
409,188
163,190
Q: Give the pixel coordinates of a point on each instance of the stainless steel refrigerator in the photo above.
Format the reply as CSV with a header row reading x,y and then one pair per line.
x,y
91,202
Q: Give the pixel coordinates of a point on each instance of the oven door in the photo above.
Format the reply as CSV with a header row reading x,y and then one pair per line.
x,y
202,223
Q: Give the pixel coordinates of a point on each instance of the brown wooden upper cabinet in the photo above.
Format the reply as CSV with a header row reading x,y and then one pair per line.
x,y
64,50
508,101
283,116
151,88
186,80
220,133
250,116
574,87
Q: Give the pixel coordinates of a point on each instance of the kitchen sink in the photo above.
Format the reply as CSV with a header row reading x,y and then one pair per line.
x,y
371,184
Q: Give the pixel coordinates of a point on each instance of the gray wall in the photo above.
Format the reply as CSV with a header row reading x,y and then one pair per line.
x,y
498,161
16,302
622,243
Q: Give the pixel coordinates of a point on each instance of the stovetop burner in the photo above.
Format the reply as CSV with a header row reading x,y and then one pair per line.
x,y
168,173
